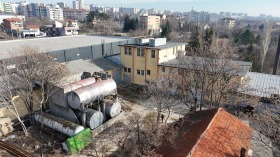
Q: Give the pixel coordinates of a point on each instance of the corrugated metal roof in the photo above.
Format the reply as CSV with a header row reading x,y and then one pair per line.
x,y
105,64
96,65
51,44
262,85
212,65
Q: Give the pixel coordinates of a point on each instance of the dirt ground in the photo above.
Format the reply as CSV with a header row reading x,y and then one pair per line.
x,y
49,141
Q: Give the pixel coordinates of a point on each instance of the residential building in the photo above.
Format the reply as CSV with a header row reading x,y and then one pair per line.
x,y
9,8
140,61
62,5
150,24
72,23
128,11
8,16
24,8
210,133
229,22
11,24
75,14
75,4
55,13
196,16
31,31
1,7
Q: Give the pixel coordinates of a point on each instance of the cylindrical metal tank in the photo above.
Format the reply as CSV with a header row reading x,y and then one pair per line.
x,y
94,118
112,108
59,124
79,84
90,93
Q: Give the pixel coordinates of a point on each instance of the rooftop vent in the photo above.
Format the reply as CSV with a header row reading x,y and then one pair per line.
x,y
157,42
143,41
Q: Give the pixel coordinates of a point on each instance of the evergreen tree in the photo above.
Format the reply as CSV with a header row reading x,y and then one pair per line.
x,y
250,57
127,26
195,40
166,30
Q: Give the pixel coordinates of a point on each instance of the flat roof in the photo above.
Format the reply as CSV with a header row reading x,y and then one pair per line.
x,y
165,46
56,43
262,85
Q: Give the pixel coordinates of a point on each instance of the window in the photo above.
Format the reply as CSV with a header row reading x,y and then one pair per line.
x,y
142,72
162,69
172,70
153,55
129,51
148,72
138,71
138,51
142,52
180,71
127,70
125,50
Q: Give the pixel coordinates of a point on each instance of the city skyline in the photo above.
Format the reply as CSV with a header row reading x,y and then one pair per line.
x,y
251,7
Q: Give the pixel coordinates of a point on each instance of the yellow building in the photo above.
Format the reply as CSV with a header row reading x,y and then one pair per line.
x,y
150,24
229,22
140,61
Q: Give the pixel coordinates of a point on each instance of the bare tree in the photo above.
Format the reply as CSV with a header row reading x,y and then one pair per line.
x,y
7,94
162,92
142,135
35,75
208,73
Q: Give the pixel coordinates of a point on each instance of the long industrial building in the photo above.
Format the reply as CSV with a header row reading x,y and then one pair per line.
x,y
69,48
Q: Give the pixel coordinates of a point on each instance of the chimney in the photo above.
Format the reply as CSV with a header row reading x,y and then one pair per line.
x,y
276,62
242,152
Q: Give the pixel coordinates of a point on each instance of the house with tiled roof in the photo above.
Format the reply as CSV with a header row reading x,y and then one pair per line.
x,y
12,24
211,133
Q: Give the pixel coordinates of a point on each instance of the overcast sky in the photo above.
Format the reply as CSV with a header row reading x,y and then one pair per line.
x,y
252,7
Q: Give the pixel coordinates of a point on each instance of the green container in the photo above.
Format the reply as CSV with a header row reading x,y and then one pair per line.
x,y
79,141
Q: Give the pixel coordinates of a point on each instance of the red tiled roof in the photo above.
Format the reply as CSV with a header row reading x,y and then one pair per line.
x,y
70,20
32,26
210,133
13,19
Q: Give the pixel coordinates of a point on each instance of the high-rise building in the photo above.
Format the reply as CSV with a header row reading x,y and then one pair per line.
x,y
62,5
8,7
75,4
1,7
55,13
81,4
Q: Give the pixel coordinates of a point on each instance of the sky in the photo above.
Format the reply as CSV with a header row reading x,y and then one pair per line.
x,y
251,7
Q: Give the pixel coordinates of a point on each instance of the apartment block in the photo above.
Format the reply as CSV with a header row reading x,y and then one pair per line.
x,y
150,24
75,14
140,61
55,13
229,22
